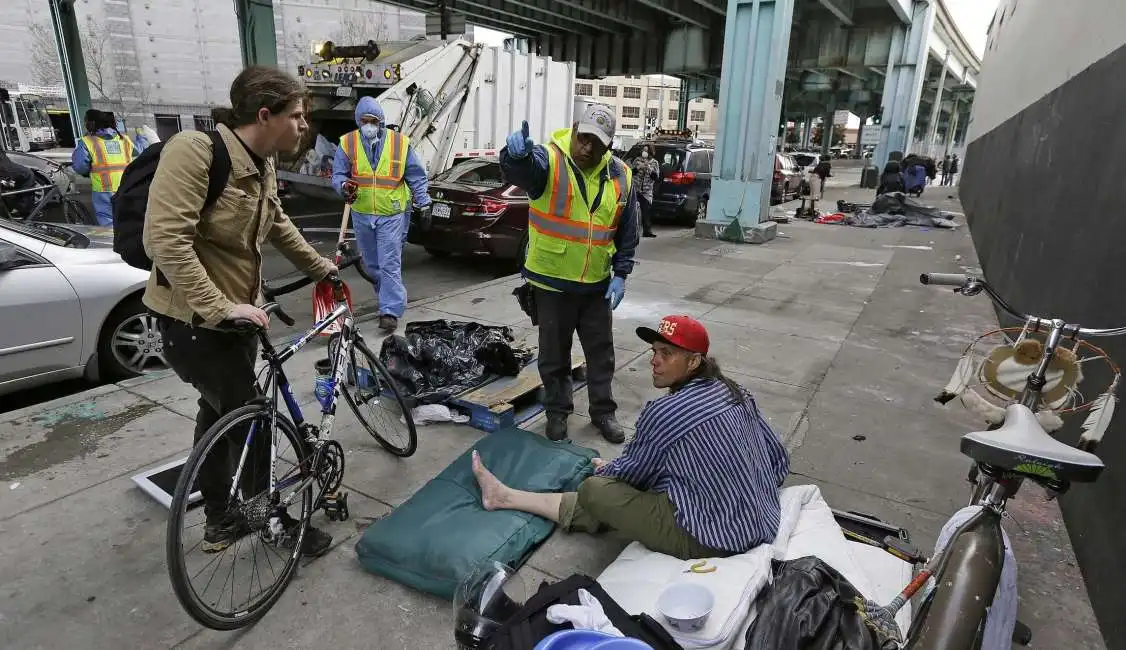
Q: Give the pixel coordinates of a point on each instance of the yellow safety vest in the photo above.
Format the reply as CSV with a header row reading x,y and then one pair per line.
x,y
108,159
381,191
565,240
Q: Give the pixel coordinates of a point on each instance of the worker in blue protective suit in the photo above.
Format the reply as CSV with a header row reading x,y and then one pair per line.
x,y
376,171
102,154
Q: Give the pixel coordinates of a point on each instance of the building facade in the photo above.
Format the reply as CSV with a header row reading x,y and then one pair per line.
x,y
644,103
166,63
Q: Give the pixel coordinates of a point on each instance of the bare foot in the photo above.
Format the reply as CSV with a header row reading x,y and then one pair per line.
x,y
494,494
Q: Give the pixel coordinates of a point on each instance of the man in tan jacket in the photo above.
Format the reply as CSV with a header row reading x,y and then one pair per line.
x,y
207,268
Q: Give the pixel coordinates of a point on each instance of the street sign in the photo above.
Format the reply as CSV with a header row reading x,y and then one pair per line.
x,y
870,136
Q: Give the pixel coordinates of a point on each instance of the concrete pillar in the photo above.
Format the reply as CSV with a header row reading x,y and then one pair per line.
x,y
68,45
953,128
903,85
256,32
682,106
755,45
827,132
936,110
806,132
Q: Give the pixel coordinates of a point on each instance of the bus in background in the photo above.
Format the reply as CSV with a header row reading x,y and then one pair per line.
x,y
24,123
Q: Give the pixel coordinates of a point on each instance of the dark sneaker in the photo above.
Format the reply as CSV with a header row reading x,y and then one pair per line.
x,y
556,427
649,234
610,429
388,323
316,542
222,531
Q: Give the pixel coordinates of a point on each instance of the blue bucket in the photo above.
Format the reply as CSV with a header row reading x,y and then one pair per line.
x,y
589,640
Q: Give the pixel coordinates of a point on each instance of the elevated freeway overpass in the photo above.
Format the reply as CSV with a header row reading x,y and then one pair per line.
x,y
902,62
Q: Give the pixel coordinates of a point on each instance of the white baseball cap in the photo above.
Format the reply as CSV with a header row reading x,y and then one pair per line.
x,y
598,121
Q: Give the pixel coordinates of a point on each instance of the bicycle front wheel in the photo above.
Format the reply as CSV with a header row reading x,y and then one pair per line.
x,y
227,564
377,403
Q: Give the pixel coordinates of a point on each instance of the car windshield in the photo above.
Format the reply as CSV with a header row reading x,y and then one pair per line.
x,y
803,159
671,158
478,172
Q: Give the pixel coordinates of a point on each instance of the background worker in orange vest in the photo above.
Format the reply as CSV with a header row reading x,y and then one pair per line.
x,y
102,155
376,171
582,234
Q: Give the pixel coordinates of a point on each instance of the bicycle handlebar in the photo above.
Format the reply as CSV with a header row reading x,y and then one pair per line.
x,y
969,285
272,308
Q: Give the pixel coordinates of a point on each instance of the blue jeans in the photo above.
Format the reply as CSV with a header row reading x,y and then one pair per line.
x,y
380,240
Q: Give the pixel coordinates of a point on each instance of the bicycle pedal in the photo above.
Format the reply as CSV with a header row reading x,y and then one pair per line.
x,y
336,506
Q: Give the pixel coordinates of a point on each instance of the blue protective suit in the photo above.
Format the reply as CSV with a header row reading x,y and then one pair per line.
x,y
381,237
80,159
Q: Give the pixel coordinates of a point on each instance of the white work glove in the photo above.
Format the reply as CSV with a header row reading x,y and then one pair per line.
x,y
588,615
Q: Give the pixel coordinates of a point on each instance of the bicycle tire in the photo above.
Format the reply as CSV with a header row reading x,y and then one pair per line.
x,y
177,568
76,212
385,380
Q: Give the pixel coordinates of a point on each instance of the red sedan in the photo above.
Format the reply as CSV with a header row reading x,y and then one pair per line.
x,y
476,212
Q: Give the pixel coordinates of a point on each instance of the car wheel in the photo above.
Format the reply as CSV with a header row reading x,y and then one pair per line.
x,y
701,212
434,252
130,344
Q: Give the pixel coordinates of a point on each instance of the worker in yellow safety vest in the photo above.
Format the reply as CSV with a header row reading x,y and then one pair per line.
x,y
102,154
582,234
376,171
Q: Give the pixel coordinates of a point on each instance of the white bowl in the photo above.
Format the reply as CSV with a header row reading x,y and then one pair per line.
x,y
686,605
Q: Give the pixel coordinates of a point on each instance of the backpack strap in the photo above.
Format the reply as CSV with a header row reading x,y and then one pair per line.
x,y
219,171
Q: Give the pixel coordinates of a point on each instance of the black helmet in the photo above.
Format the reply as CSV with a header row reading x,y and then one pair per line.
x,y
488,597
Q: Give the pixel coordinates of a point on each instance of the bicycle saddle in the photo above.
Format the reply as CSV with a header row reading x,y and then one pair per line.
x,y
1021,445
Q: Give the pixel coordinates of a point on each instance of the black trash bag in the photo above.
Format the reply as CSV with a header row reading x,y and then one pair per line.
x,y
810,606
435,360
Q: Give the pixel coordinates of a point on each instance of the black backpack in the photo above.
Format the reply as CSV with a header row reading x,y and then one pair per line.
x,y
527,627
130,201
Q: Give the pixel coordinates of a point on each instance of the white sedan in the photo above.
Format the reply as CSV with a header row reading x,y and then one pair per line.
x,y
70,307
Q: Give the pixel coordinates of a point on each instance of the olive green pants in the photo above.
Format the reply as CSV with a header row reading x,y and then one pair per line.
x,y
609,505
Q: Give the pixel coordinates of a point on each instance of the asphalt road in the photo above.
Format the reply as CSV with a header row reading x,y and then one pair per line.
x,y
425,276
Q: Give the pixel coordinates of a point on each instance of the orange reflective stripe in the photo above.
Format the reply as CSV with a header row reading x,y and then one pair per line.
x,y
560,191
565,228
622,198
351,148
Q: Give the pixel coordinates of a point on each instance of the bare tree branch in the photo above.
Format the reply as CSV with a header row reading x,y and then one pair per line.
x,y
45,65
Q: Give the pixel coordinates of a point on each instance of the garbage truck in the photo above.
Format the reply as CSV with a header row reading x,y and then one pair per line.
x,y
455,100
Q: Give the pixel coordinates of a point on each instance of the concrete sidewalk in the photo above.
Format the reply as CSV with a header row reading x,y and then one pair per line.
x,y
827,325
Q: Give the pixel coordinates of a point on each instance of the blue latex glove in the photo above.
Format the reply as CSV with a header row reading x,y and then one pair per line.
x,y
616,291
520,143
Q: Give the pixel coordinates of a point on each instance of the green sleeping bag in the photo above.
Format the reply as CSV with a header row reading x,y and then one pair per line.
x,y
434,539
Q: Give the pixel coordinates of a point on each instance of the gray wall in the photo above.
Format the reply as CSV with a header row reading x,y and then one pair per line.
x,y
1048,214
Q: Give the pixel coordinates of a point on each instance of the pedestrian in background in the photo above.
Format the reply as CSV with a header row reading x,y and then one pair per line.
x,y
891,180
381,194
817,176
944,169
102,155
646,173
582,234
953,169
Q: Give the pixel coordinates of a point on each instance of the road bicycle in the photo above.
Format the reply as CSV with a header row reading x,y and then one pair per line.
x,y
282,468
967,572
50,201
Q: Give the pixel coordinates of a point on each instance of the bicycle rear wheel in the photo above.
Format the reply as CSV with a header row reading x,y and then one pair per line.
x,y
377,403
252,571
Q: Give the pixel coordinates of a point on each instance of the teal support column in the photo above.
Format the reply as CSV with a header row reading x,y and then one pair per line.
x,y
256,32
755,44
68,45
903,86
682,106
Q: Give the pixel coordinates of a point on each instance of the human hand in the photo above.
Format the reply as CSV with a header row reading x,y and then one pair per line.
x,y
520,143
349,188
332,270
616,291
598,463
249,313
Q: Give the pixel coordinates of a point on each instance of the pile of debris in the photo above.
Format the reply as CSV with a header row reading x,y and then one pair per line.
x,y
889,210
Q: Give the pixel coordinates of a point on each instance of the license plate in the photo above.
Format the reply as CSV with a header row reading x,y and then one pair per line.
x,y
441,211
344,91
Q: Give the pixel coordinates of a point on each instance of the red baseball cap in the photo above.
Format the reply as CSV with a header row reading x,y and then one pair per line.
x,y
682,331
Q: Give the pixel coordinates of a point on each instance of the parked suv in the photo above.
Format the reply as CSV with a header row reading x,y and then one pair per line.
x,y
686,177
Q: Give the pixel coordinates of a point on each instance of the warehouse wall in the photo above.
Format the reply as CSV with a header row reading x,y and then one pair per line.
x,y
1044,195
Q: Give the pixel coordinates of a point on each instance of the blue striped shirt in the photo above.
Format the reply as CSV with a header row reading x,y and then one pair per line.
x,y
719,462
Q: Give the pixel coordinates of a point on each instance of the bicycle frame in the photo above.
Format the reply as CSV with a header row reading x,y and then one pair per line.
x,y
277,385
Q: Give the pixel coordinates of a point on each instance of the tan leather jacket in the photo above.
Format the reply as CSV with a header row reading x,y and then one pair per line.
x,y
204,266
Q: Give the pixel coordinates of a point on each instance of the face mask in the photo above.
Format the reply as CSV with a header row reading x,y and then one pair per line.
x,y
644,154
370,131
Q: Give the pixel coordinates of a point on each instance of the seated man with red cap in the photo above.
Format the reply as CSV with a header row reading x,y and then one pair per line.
x,y
699,479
